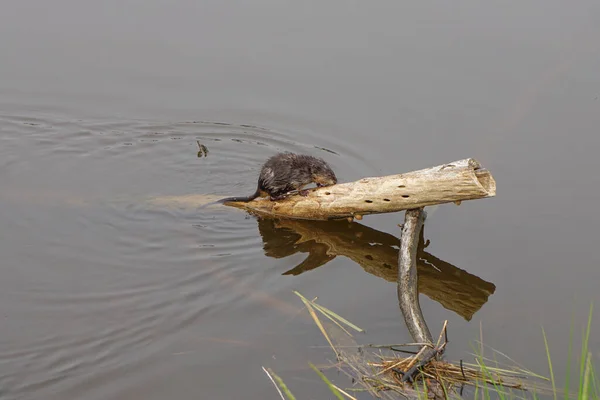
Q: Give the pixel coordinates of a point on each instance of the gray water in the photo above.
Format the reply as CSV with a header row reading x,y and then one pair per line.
x,y
107,293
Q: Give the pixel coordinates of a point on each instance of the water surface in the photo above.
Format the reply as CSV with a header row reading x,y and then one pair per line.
x,y
107,293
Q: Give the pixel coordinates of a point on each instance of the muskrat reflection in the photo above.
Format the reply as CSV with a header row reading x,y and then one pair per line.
x,y
377,253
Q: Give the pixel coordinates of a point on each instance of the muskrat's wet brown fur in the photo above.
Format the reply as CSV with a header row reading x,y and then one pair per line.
x,y
285,172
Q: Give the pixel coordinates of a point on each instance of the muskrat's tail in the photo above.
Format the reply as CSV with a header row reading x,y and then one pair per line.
x,y
243,199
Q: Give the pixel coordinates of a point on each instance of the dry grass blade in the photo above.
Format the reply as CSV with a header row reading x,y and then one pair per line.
x,y
345,393
516,366
314,316
443,333
402,362
392,346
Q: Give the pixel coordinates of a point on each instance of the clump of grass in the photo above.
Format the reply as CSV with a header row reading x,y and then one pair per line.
x,y
380,372
589,381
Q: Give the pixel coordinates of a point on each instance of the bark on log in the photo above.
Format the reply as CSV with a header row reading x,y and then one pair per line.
x,y
453,182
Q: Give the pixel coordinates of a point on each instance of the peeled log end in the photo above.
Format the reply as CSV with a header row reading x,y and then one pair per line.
x,y
452,182
487,182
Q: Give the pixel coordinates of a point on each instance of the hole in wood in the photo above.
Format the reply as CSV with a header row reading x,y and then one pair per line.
x,y
327,193
368,257
386,265
405,196
401,186
368,201
386,199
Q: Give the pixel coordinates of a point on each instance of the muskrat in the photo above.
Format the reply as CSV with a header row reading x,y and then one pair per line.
x,y
285,172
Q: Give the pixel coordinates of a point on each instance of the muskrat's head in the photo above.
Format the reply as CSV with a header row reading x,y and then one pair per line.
x,y
322,174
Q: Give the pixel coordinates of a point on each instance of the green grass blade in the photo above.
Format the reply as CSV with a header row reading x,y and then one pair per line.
x,y
328,382
596,384
586,378
584,349
549,363
338,317
569,357
330,314
280,386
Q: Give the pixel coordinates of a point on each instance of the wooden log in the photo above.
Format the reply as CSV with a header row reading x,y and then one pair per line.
x,y
453,182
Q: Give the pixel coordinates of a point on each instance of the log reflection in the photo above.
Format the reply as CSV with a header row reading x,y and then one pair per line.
x,y
377,253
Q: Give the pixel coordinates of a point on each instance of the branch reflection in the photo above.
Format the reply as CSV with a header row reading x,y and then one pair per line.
x,y
377,253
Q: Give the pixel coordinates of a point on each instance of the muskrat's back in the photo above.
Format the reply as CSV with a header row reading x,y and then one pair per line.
x,y
285,172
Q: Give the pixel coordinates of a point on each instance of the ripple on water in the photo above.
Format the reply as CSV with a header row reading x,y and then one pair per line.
x,y
100,277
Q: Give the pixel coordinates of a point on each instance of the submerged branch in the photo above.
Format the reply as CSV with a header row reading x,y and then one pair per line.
x,y
408,295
